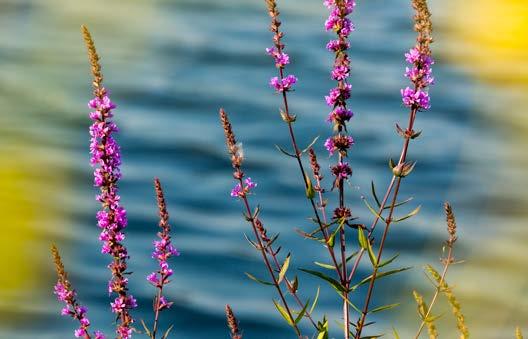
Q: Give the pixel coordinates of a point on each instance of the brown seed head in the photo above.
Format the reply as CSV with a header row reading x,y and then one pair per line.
x,y
162,206
232,146
315,165
94,62
232,322
451,223
423,24
59,267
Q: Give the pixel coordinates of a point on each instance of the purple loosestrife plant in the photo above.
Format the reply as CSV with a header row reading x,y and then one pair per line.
x,y
416,99
263,243
163,250
66,294
112,218
340,23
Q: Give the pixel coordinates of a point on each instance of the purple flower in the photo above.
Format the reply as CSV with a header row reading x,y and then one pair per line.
x,y
341,170
281,59
106,159
236,191
337,94
340,115
413,55
283,85
329,144
239,191
419,98
340,72
336,45
99,335
163,248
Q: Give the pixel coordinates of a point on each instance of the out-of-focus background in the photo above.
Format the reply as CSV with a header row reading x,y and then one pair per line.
x,y
170,65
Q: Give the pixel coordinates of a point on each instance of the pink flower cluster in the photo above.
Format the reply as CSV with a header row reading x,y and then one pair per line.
x,y
284,84
281,59
67,295
421,76
112,218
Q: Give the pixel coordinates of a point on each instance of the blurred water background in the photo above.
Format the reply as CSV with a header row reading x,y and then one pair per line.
x,y
170,65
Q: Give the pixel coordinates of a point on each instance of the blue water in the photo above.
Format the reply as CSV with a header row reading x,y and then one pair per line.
x,y
170,66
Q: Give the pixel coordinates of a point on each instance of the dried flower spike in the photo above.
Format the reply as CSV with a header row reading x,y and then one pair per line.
x,y
232,323
451,224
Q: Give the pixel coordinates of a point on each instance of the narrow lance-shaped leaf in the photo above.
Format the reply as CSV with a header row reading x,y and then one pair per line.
x,y
284,313
310,192
252,277
302,312
315,300
365,244
412,214
384,308
372,210
284,268
334,283
380,275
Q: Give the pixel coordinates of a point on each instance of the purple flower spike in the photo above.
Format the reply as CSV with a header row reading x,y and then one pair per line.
x,y
106,158
163,251
67,295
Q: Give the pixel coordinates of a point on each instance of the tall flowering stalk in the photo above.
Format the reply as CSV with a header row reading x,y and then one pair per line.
x,y
112,218
66,294
243,187
281,59
340,114
417,100
163,250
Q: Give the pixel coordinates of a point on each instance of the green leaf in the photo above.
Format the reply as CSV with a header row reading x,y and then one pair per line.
x,y
391,163
285,152
284,268
315,300
388,261
380,275
284,313
350,303
310,192
395,333
252,277
374,193
383,308
327,266
401,203
303,311
323,330
334,283
412,214
372,210
365,244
